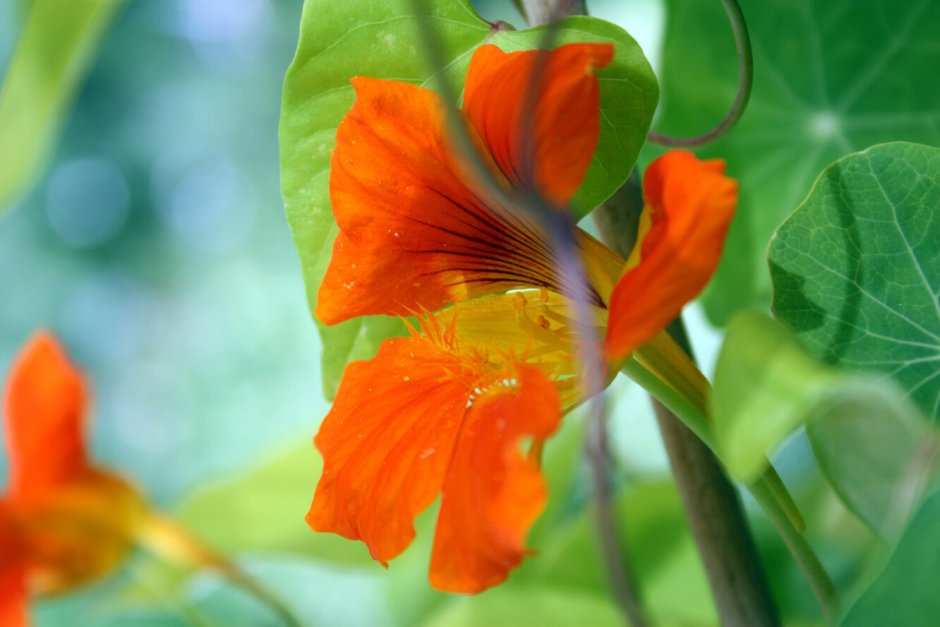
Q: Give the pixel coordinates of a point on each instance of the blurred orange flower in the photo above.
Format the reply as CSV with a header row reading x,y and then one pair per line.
x,y
63,521
446,410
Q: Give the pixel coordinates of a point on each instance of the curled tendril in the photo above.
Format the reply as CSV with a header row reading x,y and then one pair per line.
x,y
742,42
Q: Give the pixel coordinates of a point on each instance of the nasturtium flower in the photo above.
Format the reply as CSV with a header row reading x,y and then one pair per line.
x,y
63,521
491,366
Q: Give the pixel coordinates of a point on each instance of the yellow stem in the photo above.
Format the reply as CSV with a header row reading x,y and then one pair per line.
x,y
666,359
165,537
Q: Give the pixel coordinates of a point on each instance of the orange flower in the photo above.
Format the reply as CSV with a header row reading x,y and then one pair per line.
x,y
63,522
446,410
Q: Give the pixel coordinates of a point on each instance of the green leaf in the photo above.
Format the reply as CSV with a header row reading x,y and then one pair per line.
x,y
546,607
767,385
263,511
879,463
379,38
905,592
830,77
55,49
856,268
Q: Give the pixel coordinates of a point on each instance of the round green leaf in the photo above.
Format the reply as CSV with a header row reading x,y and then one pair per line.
x,y
856,268
381,39
830,77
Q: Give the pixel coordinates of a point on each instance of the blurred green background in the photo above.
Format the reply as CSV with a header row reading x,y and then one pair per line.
x,y
155,245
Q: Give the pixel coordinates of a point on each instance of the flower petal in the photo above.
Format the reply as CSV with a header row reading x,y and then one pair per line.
x,y
13,599
45,404
387,442
13,610
414,235
564,120
493,493
689,206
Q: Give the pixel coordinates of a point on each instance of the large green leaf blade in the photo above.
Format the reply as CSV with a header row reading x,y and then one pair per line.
x,y
381,39
856,268
55,49
830,77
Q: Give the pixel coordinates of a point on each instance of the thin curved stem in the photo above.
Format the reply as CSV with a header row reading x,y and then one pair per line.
x,y
742,42
166,538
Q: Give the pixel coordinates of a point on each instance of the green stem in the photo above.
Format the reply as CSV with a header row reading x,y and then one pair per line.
x,y
796,542
685,410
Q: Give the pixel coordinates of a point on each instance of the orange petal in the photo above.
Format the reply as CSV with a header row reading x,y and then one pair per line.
x,y
45,404
12,574
13,598
493,492
689,204
387,442
563,122
414,235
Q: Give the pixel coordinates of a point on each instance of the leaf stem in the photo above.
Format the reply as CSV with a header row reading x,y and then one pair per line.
x,y
742,41
796,542
164,537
